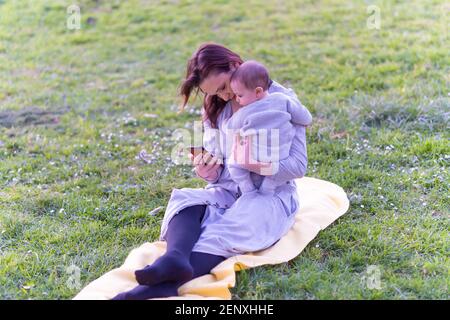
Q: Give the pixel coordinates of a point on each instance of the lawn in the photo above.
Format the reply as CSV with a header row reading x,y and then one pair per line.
x,y
77,106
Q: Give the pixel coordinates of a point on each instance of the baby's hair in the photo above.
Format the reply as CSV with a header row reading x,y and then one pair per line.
x,y
252,74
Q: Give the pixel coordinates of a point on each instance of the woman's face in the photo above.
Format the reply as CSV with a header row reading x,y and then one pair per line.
x,y
218,84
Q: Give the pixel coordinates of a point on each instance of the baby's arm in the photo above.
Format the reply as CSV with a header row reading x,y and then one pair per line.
x,y
300,114
268,119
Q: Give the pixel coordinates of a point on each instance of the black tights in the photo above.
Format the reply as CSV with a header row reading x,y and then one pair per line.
x,y
179,264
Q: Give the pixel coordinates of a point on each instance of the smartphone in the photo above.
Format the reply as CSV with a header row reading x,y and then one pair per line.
x,y
196,150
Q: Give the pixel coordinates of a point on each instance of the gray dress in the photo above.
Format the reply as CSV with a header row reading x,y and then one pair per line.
x,y
236,223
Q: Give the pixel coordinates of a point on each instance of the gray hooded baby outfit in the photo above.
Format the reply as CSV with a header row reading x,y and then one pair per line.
x,y
270,121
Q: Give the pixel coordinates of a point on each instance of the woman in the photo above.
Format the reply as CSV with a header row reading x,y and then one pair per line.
x,y
203,227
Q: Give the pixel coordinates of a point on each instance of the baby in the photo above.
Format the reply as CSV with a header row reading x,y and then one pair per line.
x,y
269,118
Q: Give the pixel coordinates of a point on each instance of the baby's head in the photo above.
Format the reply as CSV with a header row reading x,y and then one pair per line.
x,y
250,82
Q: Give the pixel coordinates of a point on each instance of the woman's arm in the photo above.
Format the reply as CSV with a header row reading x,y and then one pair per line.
x,y
295,165
207,166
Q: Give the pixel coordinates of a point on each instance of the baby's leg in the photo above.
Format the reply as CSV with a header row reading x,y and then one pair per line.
x,y
268,185
242,178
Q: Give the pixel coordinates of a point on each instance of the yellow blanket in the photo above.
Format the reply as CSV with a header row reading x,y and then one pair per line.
x,y
321,203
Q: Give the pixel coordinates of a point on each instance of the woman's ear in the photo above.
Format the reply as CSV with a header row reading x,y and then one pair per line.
x,y
234,66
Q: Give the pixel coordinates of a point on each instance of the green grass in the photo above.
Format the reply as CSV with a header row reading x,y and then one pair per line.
x,y
73,193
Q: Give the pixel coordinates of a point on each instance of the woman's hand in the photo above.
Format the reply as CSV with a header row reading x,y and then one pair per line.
x,y
206,166
243,156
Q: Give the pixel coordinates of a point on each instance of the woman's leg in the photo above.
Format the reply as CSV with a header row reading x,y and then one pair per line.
x,y
143,292
182,233
202,263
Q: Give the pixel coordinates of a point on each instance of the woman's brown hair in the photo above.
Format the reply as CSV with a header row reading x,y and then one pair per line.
x,y
209,58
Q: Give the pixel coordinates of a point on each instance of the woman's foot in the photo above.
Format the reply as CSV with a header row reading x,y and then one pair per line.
x,y
172,266
161,290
